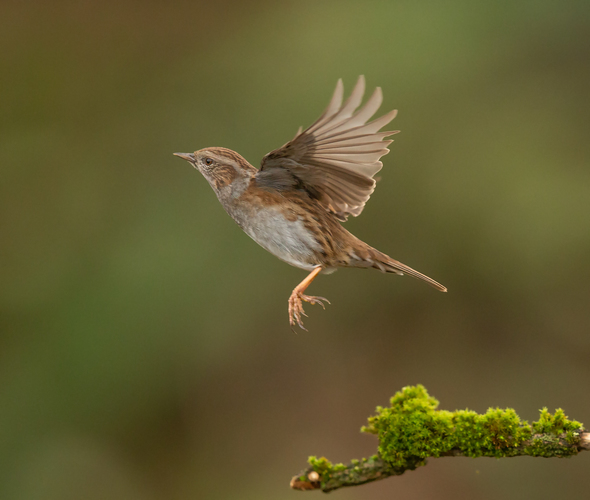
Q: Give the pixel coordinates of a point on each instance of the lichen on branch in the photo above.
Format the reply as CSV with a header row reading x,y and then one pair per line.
x,y
413,429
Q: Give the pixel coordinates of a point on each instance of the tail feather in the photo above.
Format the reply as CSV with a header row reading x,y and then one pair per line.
x,y
388,265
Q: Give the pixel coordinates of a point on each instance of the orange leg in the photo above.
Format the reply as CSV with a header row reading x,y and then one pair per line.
x,y
295,306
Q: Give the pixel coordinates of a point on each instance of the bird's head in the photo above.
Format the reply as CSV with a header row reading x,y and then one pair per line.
x,y
220,166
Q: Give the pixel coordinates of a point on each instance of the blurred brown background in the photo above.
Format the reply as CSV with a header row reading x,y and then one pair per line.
x,y
145,351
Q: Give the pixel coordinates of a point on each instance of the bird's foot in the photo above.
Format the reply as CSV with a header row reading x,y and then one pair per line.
x,y
296,307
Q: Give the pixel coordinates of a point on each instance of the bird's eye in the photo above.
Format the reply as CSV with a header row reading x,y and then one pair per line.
x,y
208,161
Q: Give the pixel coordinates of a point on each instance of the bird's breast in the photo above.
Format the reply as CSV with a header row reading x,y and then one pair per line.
x,y
282,234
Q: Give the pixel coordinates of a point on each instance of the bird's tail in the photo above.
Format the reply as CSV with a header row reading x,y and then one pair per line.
x,y
386,264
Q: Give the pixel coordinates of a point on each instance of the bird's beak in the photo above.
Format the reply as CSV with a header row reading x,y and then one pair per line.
x,y
186,156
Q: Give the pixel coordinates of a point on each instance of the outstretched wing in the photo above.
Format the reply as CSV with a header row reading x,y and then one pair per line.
x,y
336,158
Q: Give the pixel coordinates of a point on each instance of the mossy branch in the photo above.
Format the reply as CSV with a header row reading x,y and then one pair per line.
x,y
412,429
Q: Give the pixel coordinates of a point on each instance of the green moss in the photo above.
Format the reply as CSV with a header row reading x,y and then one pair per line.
x,y
324,468
320,465
557,423
412,429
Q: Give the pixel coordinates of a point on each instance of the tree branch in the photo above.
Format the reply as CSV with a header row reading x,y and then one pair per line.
x,y
375,468
413,430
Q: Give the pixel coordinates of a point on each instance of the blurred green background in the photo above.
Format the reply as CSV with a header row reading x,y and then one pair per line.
x,y
145,350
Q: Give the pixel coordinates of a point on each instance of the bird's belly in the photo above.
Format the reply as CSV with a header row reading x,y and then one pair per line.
x,y
288,240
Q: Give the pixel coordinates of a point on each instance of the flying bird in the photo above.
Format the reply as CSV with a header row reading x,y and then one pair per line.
x,y
294,204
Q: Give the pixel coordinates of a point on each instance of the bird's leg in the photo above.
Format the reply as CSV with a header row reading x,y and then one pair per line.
x,y
295,306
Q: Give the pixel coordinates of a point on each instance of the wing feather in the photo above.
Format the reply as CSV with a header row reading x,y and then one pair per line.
x,y
335,158
357,139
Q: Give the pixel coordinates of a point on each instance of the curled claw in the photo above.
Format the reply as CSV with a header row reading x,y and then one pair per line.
x,y
315,300
296,306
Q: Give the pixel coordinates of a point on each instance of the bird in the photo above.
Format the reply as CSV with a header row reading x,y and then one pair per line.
x,y
295,203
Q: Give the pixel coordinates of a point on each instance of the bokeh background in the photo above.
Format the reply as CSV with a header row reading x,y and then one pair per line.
x,y
145,351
